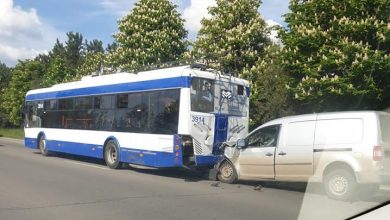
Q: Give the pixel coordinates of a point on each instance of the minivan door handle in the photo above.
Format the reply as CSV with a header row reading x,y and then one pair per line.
x,y
282,153
269,154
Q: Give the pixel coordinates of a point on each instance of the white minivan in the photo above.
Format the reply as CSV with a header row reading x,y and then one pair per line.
x,y
344,150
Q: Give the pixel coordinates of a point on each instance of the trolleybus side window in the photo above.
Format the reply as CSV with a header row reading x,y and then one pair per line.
x,y
155,112
166,117
122,101
33,111
83,103
65,104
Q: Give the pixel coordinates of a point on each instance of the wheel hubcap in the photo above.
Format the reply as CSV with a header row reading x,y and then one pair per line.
x,y
227,171
42,146
112,154
338,185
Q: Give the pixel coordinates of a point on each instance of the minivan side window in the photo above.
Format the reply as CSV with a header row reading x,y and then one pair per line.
x,y
299,133
264,137
339,131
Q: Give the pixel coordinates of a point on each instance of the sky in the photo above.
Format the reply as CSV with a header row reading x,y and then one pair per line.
x,y
31,27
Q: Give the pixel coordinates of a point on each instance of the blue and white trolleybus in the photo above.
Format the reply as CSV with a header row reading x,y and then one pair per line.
x,y
170,117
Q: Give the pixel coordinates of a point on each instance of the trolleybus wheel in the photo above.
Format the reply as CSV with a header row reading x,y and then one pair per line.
x,y
111,155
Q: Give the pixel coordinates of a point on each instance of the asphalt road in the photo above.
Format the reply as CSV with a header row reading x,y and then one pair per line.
x,y
69,187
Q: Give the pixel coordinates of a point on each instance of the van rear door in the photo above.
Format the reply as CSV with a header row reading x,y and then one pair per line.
x,y
294,155
384,121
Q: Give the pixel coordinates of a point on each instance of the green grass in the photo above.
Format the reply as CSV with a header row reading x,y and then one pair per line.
x,y
12,133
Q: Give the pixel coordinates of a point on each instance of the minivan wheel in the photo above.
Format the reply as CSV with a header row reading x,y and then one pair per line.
x,y
111,155
340,184
227,173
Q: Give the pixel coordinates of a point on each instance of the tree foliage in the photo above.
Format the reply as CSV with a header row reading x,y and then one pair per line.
x,y
234,37
337,53
153,32
93,62
25,76
269,97
69,61
94,46
5,74
57,71
74,50
65,62
58,50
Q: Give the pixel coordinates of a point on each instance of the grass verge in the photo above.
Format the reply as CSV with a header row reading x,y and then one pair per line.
x,y
12,133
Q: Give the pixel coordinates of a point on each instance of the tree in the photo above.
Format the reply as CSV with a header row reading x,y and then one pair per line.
x,y
25,76
234,37
269,97
58,50
74,50
93,60
337,53
57,72
112,47
64,60
153,32
5,74
95,46
60,65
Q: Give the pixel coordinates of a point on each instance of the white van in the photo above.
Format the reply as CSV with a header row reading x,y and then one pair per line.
x,y
341,149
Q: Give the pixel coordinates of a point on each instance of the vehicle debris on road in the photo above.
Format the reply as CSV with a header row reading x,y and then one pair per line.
x,y
216,184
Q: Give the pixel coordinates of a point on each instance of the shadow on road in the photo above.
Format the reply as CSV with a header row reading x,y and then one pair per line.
x,y
179,173
75,157
380,197
188,175
315,188
290,186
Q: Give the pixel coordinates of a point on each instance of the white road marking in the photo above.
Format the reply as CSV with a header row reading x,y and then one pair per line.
x,y
385,187
87,165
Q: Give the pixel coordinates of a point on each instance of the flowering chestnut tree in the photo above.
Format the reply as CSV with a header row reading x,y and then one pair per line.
x,y
153,32
234,37
337,53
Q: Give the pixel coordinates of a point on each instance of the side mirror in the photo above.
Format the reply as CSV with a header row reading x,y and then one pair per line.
x,y
241,143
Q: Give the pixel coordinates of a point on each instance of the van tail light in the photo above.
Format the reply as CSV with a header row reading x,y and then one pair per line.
x,y
377,153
